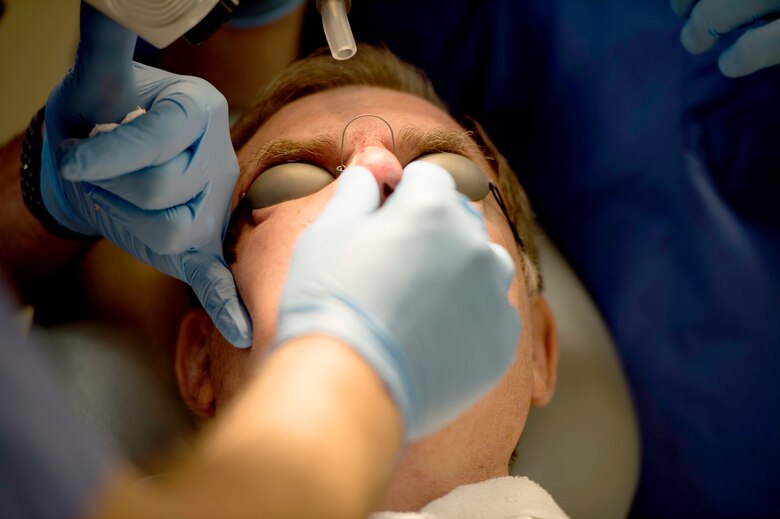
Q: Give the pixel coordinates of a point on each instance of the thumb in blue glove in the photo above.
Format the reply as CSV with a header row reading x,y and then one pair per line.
x,y
159,186
414,286
757,48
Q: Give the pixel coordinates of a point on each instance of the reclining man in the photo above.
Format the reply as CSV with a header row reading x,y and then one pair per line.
x,y
378,112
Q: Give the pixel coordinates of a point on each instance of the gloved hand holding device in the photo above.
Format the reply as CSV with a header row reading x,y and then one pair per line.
x,y
414,286
160,186
757,48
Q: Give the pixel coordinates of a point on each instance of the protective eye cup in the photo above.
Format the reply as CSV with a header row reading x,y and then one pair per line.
x,y
292,181
296,180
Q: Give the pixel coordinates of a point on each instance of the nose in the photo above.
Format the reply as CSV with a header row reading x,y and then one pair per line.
x,y
383,164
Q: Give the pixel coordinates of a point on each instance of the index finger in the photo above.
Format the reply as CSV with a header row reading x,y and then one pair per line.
x,y
424,181
216,289
357,194
151,139
429,182
425,176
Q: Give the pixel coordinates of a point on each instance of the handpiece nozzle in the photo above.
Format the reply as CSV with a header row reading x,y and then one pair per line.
x,y
337,30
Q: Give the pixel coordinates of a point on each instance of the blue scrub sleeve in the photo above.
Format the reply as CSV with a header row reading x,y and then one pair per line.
x,y
49,466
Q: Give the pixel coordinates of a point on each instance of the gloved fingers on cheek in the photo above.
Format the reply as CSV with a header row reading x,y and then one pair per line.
x,y
216,289
472,210
427,193
754,50
682,8
151,139
507,330
422,186
505,318
168,231
425,177
357,194
505,265
157,187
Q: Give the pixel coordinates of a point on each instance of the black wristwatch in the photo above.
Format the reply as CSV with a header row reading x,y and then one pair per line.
x,y
30,171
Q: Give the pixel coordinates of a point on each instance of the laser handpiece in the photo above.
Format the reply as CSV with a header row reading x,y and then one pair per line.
x,y
161,22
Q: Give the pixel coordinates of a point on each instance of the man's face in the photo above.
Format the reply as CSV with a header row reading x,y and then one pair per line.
x,y
478,445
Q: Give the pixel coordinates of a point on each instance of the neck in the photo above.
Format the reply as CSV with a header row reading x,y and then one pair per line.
x,y
414,483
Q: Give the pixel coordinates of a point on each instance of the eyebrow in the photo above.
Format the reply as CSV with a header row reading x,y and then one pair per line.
x,y
283,151
439,140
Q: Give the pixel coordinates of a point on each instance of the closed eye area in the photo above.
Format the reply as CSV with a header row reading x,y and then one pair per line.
x,y
298,179
286,170
325,151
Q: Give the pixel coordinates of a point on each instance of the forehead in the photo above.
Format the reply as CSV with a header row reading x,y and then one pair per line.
x,y
326,113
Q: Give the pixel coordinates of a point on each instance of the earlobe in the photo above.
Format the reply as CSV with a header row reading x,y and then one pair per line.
x,y
545,352
193,363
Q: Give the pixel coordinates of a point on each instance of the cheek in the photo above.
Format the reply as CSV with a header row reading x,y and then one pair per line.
x,y
263,258
228,368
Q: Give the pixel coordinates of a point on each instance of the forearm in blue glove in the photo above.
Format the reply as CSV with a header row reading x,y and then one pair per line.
x,y
757,48
414,286
159,186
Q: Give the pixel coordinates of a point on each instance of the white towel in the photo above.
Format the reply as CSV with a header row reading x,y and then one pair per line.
x,y
508,497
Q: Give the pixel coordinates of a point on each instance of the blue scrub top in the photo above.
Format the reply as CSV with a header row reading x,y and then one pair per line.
x,y
659,179
50,468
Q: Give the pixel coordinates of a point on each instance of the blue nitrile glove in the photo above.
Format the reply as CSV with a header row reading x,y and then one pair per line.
x,y
414,286
757,48
160,186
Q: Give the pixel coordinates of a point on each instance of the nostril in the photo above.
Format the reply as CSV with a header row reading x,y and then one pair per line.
x,y
387,190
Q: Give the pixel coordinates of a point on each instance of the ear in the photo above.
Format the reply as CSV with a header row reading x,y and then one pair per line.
x,y
544,351
193,363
